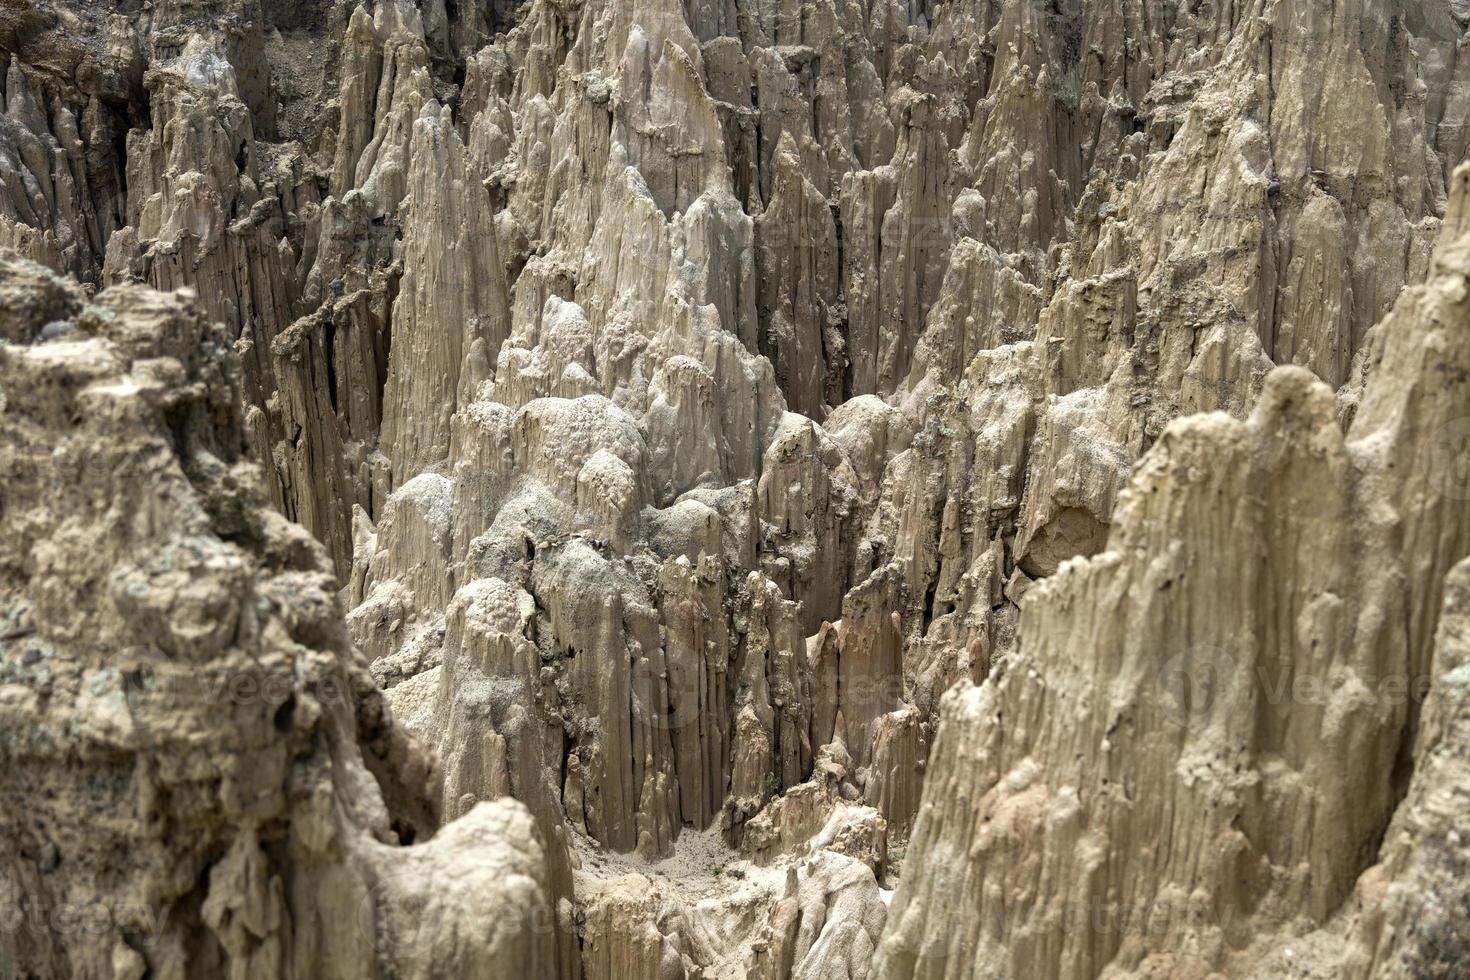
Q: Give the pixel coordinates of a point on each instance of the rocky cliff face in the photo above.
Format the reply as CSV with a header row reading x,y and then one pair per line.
x,y
201,777
748,457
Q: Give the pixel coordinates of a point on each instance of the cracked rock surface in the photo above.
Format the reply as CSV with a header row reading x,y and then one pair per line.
x,y
734,488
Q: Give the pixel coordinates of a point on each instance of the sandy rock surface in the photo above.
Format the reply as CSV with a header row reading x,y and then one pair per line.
x,y
734,488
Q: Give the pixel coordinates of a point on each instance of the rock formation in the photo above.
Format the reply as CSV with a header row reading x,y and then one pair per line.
x,y
1153,778
201,776
733,459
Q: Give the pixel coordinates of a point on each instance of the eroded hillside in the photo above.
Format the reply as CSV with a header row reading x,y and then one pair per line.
x,y
960,489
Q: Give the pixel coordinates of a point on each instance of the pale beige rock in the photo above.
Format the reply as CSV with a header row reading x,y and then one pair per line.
x,y
686,394
257,793
1189,767
451,276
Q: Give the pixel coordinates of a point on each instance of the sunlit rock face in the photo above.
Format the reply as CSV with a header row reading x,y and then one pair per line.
x,y
734,489
201,776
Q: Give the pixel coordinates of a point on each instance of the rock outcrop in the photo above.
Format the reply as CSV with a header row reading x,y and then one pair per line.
x,y
838,444
200,775
1154,779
